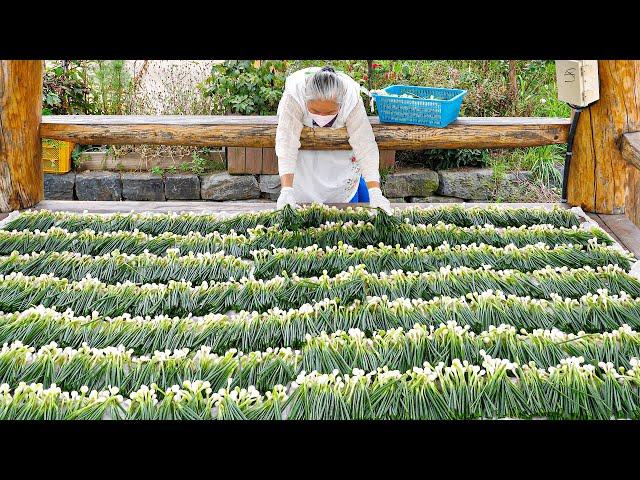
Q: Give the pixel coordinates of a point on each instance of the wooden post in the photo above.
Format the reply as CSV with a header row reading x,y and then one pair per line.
x,y
598,175
21,176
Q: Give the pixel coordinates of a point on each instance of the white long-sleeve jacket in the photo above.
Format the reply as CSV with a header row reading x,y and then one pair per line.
x,y
329,175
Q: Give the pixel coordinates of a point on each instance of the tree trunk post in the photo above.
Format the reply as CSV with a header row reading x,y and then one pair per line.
x,y
598,175
21,175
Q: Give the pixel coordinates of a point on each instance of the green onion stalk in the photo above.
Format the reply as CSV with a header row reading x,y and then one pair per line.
x,y
19,292
304,217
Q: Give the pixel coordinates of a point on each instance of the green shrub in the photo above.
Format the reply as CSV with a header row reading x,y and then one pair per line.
x,y
244,87
66,89
112,86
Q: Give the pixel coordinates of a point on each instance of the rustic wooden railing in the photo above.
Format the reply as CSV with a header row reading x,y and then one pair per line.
x,y
249,139
259,131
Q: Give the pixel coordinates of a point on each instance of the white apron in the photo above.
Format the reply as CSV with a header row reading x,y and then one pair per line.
x,y
325,176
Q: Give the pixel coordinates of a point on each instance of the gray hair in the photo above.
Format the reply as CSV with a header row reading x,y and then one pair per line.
x,y
325,84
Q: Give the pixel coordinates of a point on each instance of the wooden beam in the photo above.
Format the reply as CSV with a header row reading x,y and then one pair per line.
x,y
632,200
630,147
598,179
581,184
21,175
259,131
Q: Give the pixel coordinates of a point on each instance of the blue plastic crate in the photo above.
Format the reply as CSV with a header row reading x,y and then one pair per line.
x,y
437,112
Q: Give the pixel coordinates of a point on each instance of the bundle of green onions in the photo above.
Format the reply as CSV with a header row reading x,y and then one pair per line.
x,y
193,400
401,349
119,267
497,388
99,368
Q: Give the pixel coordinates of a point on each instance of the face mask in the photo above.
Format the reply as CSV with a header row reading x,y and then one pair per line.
x,y
321,120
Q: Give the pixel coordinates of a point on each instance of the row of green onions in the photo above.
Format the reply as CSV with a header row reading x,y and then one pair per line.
x,y
19,292
497,388
398,349
315,260
359,235
258,331
307,216
120,267
216,267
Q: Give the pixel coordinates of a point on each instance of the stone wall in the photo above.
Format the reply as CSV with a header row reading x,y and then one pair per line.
x,y
407,185
104,185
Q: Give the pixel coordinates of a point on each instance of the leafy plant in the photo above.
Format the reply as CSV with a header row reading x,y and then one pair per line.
x,y
246,87
77,157
544,162
66,89
198,163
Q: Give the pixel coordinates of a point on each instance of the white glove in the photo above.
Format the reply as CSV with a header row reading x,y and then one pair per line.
x,y
376,199
286,198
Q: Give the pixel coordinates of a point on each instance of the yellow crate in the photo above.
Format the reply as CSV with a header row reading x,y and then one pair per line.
x,y
56,156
